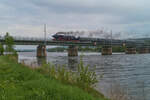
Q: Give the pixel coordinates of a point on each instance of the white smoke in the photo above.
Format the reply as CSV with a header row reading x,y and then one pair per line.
x,y
99,33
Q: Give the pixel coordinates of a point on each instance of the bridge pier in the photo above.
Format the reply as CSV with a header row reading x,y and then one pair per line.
x,y
72,51
130,50
106,50
41,51
143,50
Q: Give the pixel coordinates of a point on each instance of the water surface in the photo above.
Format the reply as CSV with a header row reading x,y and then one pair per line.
x,y
131,73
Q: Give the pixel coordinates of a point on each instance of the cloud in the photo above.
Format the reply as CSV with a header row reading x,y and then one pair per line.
x,y
28,16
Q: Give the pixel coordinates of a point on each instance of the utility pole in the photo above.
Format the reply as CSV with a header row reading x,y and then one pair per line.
x,y
111,37
45,34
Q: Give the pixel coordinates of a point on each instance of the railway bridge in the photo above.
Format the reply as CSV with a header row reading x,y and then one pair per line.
x,y
131,46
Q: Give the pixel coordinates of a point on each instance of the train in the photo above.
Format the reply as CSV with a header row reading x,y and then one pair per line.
x,y
68,36
64,36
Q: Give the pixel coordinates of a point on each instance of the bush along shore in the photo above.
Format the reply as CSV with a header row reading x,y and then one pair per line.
x,y
20,82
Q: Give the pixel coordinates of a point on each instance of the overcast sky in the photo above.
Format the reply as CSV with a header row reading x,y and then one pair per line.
x,y
26,17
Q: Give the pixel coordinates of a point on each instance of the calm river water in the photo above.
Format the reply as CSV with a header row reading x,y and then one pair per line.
x,y
129,74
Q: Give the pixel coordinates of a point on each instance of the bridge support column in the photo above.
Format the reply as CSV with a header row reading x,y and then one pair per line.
x,y
143,50
73,51
130,50
106,50
41,51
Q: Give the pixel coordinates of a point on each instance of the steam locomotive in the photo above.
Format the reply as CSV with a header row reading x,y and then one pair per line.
x,y
67,36
64,36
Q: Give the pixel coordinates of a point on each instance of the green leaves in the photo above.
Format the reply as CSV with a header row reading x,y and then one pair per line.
x,y
82,77
9,42
1,49
17,82
86,78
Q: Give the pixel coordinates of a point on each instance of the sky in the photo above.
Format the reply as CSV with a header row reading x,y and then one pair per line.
x,y
26,18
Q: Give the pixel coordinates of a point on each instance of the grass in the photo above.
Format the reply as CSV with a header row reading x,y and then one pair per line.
x,y
82,78
17,82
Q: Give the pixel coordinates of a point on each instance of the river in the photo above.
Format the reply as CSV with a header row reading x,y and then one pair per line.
x,y
122,74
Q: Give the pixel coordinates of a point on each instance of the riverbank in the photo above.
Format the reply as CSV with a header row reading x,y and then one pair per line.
x,y
18,82
87,49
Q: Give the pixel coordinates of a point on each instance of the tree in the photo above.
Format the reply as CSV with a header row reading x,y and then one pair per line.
x,y
9,42
1,49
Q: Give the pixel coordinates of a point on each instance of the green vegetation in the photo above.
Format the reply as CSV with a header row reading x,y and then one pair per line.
x,y
83,78
18,82
26,50
9,42
80,48
1,49
57,49
98,49
118,49
9,45
87,49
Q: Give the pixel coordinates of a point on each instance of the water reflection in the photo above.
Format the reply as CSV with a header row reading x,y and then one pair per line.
x,y
73,63
41,60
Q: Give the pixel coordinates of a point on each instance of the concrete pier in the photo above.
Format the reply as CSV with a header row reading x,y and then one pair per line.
x,y
41,51
143,50
106,50
72,51
130,50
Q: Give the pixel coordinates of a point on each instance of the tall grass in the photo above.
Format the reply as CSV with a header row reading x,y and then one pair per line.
x,y
82,78
17,82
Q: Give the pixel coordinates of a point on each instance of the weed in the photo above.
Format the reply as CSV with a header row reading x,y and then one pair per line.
x,y
82,78
17,82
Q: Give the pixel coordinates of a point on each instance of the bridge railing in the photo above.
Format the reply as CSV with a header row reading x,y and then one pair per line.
x,y
102,42
26,38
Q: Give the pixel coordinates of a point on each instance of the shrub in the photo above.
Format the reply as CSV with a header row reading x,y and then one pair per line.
x,y
1,49
83,77
20,83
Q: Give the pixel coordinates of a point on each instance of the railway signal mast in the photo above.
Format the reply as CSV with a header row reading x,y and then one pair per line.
x,y
45,34
111,37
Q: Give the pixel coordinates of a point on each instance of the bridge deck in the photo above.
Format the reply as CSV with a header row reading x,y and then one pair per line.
x,y
36,41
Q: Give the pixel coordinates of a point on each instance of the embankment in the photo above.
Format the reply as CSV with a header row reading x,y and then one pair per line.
x,y
18,82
